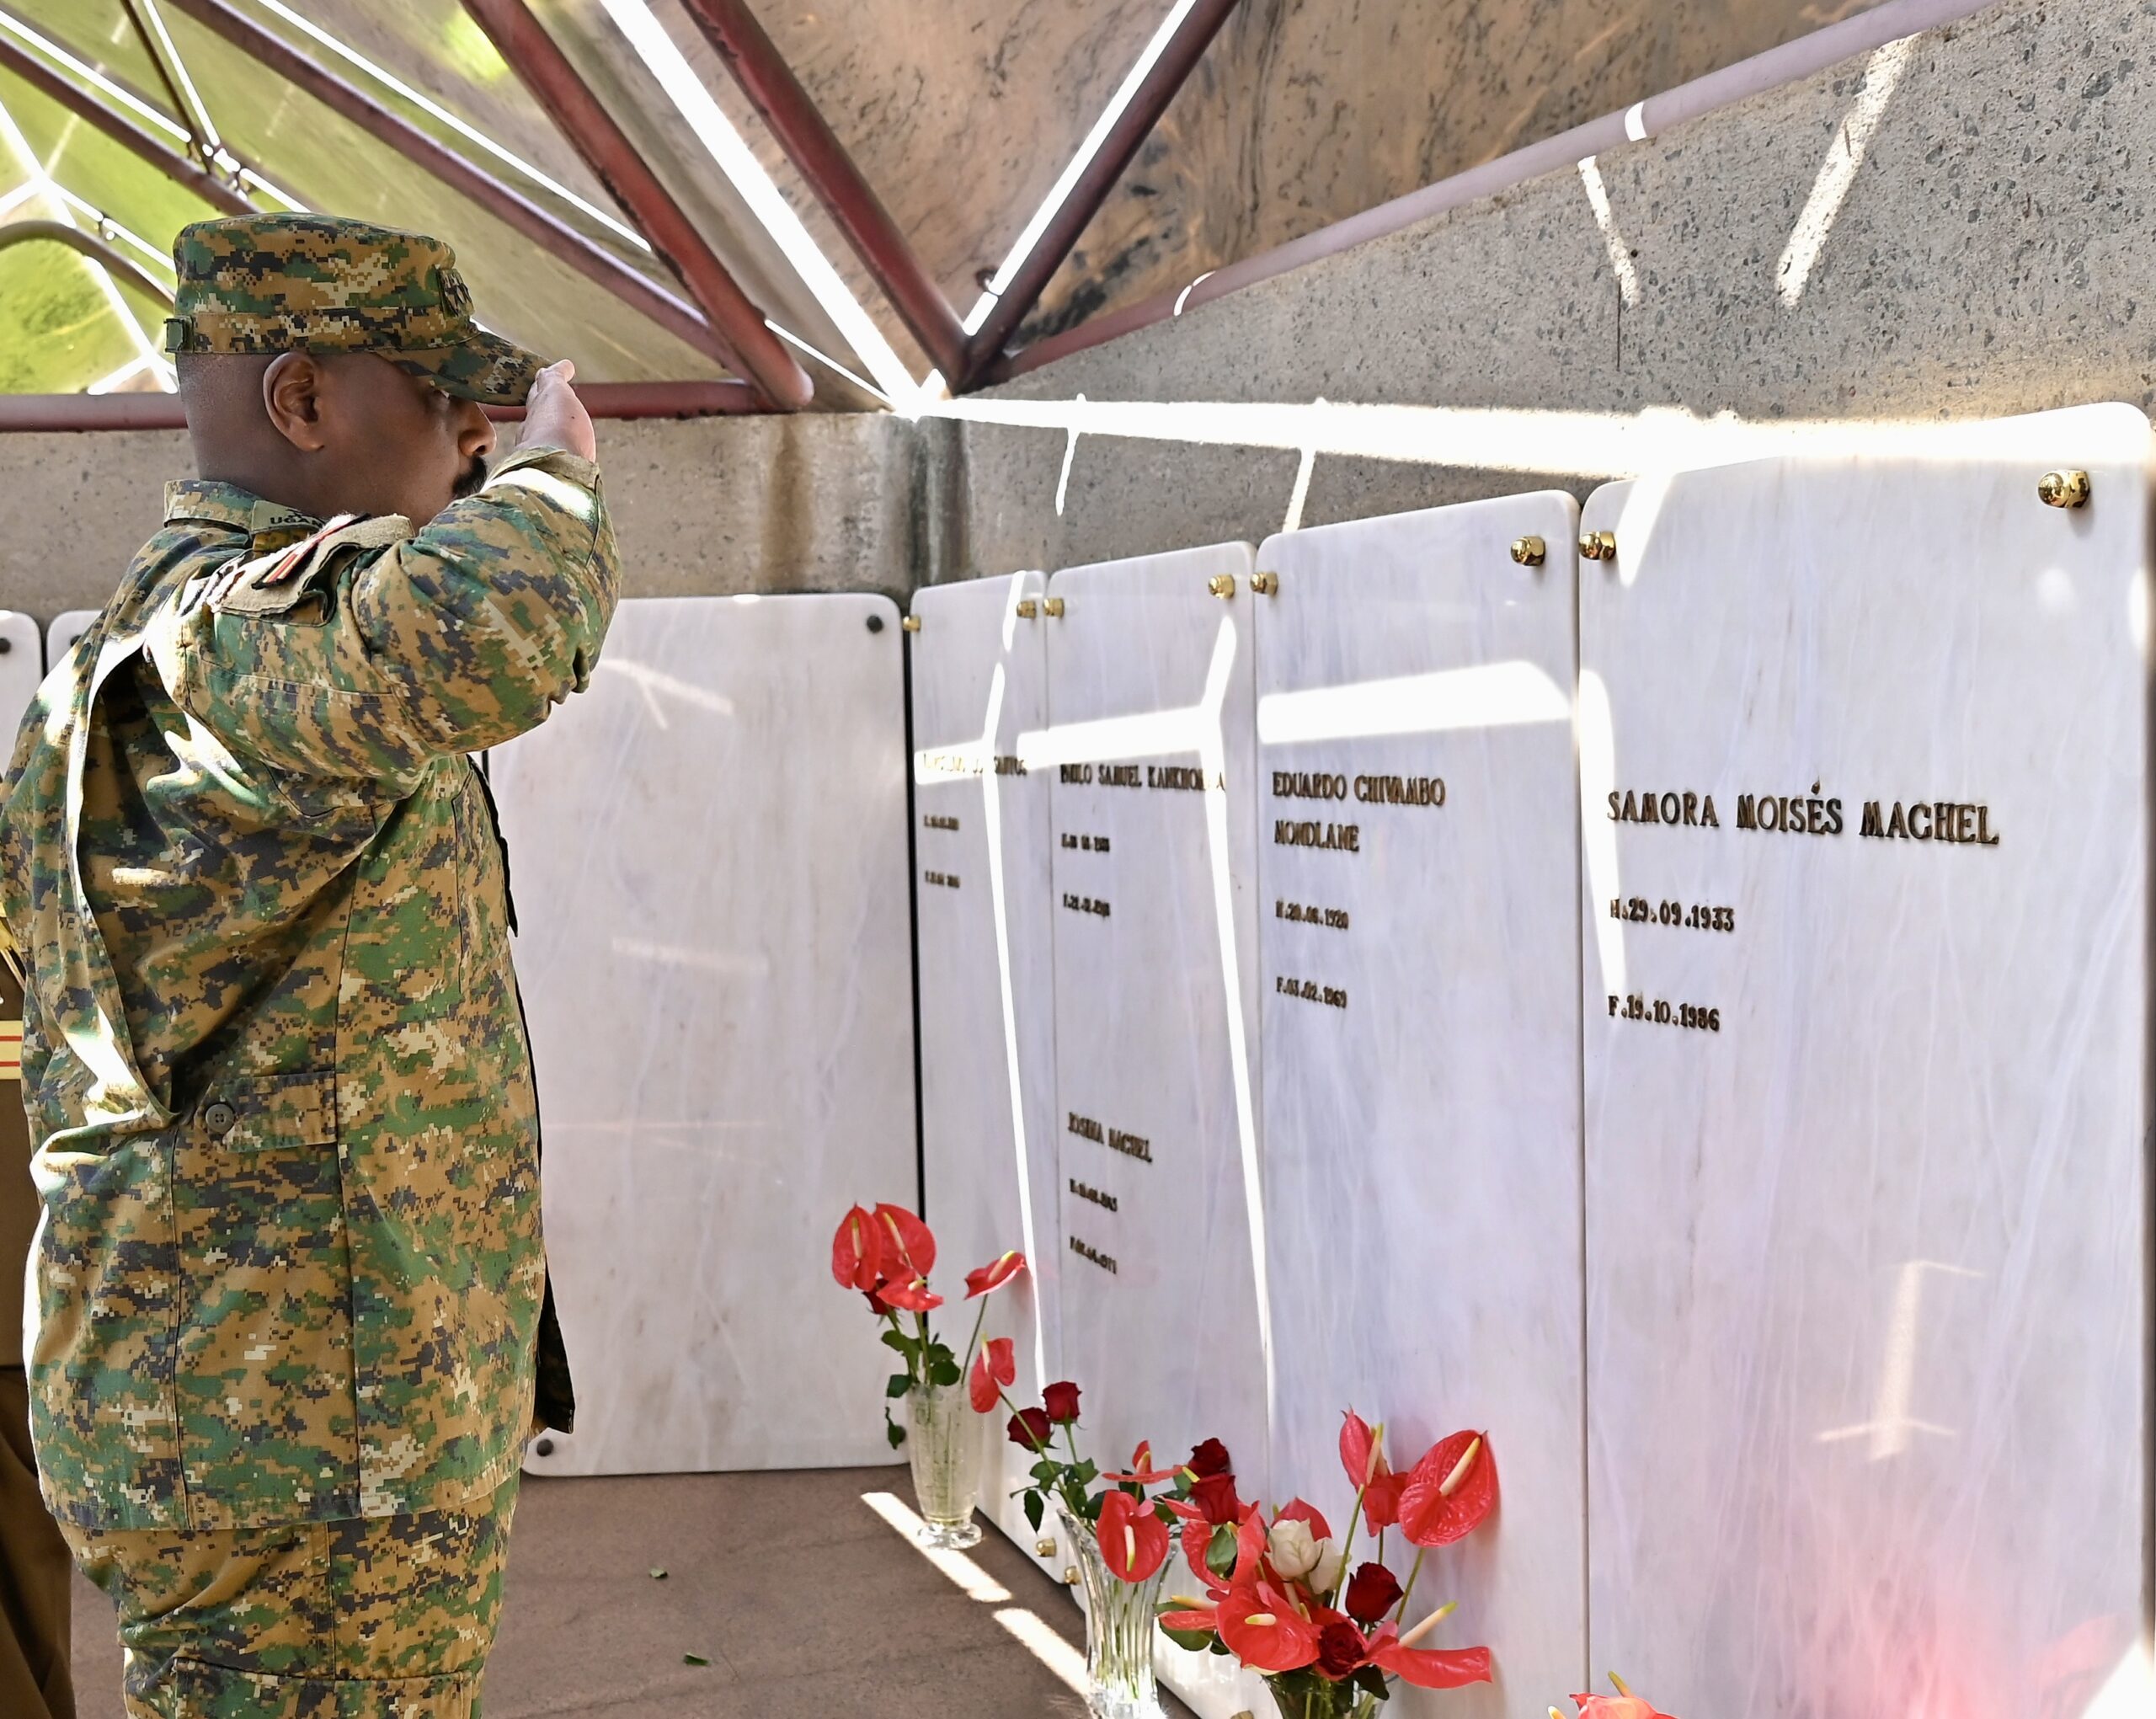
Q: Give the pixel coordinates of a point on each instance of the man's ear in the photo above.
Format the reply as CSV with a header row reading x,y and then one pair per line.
x,y
292,394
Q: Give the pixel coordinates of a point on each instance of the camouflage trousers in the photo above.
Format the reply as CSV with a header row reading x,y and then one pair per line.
x,y
376,1618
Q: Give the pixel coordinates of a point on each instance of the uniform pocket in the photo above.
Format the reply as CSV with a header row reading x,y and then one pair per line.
x,y
268,1112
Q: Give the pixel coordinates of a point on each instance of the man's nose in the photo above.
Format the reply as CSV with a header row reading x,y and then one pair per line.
x,y
475,431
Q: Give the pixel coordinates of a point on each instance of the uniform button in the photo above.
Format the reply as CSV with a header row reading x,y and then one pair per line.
x,y
219,1117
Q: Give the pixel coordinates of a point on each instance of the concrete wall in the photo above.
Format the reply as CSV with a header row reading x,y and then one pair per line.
x,y
712,506
1992,255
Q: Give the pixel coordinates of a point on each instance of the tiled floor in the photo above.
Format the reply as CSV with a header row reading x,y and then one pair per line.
x,y
806,1603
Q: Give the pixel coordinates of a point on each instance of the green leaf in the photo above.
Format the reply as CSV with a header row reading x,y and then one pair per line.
x,y
1034,1510
898,1384
694,1659
906,1346
944,1372
1220,1550
1192,1640
893,1431
1046,1471
1371,1681
1086,1472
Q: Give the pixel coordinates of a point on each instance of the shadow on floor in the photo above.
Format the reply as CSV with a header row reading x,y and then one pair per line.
x,y
806,1603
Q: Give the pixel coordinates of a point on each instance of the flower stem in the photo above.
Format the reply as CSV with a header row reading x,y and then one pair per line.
x,y
975,1338
1347,1546
1414,1576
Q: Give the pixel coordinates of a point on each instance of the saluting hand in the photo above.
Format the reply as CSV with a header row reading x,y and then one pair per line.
x,y
553,416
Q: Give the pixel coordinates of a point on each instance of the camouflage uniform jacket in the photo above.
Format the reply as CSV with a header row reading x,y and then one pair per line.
x,y
289,1266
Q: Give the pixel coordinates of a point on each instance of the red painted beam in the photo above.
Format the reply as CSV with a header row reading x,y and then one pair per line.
x,y
556,238
86,107
1168,74
582,119
52,413
86,243
772,89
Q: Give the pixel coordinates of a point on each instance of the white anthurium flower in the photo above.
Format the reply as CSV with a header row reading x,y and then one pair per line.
x,y
1332,1562
1293,1549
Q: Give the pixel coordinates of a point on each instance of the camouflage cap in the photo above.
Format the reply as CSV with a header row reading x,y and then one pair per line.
x,y
318,283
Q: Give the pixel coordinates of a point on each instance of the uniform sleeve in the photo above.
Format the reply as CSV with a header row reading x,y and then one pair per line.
x,y
372,664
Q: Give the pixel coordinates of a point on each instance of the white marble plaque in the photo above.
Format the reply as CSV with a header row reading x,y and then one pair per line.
x,y
981,882
1867,1078
1418,925
61,632
709,858
22,666
1150,680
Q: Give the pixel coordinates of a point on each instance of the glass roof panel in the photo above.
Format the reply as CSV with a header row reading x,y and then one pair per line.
x,y
331,164
437,53
97,32
59,330
611,65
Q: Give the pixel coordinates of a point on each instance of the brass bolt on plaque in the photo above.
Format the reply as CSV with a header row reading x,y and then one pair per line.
x,y
1266,584
911,623
1045,1546
2063,489
1598,546
1222,585
1054,607
1027,609
1530,552
1070,1576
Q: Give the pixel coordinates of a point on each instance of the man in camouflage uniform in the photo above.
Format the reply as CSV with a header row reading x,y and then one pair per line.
x,y
290,1282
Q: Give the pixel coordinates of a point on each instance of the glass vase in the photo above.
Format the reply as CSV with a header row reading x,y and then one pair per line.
x,y
1119,1630
1306,1697
943,1443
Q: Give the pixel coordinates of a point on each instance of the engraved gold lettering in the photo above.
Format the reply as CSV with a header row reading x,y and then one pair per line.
x,y
944,880
1345,837
1106,1202
1106,1262
933,821
1085,1128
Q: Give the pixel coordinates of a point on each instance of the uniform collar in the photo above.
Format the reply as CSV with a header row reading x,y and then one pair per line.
x,y
268,525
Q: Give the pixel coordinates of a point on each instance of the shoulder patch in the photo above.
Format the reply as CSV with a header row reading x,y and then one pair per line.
x,y
277,583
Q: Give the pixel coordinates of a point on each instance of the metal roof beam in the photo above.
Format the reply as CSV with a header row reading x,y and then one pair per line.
x,y
1165,77
603,400
560,240
583,120
129,136
814,148
90,245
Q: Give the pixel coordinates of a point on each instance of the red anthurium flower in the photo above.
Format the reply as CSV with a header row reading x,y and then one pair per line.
x,y
995,1366
1451,1490
1624,1704
855,1252
909,1244
1062,1402
1372,1592
915,1296
1264,1630
1209,1459
1134,1540
1295,1510
1142,1471
1030,1430
995,1274
1215,1500
1381,1500
1427,1668
1362,1454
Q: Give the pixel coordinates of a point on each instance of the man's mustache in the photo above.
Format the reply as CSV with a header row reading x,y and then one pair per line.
x,y
475,475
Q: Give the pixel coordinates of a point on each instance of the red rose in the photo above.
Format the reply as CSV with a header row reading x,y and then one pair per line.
x,y
1339,1648
1372,1592
1062,1401
1215,1498
1209,1459
1029,1429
